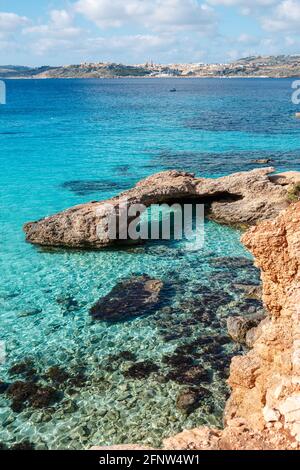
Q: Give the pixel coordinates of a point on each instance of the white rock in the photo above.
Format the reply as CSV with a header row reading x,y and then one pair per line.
x,y
290,408
270,415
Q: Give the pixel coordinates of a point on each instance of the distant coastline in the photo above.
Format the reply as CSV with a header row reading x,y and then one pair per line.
x,y
249,67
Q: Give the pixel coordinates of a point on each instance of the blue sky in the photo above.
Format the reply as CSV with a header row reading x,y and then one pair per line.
x,y
53,32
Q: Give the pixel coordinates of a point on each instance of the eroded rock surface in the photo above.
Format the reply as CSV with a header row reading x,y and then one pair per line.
x,y
266,382
263,411
240,198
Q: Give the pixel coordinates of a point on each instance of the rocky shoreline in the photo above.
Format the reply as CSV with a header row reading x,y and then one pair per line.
x,y
262,412
263,409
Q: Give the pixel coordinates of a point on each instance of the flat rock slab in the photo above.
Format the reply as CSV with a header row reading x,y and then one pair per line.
x,y
242,198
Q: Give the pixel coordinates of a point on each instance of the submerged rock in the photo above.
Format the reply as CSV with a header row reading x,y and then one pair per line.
x,y
195,375
250,291
3,386
20,393
122,356
29,313
78,380
24,445
189,399
240,198
244,307
262,161
141,370
44,397
204,306
178,360
57,375
129,299
30,394
232,262
85,187
68,303
25,368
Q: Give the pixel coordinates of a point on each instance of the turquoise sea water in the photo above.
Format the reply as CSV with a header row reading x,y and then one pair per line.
x,y
63,142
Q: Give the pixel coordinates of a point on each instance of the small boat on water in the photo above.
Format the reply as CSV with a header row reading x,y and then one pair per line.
x,y
298,115
173,90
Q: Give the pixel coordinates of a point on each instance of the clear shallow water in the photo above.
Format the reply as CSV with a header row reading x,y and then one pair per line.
x,y
67,142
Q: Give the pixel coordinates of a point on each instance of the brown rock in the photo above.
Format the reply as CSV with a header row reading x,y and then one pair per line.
x,y
188,401
241,198
263,410
269,375
238,327
195,439
128,299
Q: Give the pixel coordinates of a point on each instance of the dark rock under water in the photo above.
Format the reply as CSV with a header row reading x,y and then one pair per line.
x,y
86,187
130,298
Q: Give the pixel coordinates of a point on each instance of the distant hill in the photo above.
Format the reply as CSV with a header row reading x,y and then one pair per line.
x,y
260,66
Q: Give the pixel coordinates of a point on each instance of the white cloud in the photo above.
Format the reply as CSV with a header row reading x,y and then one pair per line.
x,y
285,17
152,14
247,39
246,7
108,14
243,3
273,15
56,35
60,26
10,22
164,30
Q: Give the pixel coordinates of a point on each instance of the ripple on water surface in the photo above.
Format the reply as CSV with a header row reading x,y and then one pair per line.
x,y
76,381
97,382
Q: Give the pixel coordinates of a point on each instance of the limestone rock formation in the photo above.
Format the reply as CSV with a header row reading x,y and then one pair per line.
x,y
236,436
266,382
240,198
263,411
238,327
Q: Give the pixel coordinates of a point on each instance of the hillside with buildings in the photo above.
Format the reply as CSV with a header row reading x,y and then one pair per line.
x,y
270,66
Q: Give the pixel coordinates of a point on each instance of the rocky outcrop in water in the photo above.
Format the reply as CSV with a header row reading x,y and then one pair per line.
x,y
240,198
